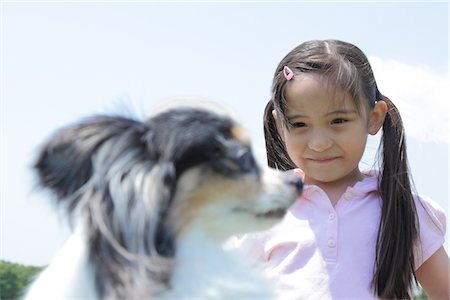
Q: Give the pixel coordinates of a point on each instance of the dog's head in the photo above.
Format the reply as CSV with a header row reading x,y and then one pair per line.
x,y
139,185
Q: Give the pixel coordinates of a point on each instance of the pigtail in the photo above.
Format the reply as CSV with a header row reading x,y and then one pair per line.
x,y
398,229
277,156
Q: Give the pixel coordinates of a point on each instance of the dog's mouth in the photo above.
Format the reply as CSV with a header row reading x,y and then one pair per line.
x,y
276,213
272,214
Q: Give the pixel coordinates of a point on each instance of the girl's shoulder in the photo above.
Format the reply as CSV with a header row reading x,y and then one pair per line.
x,y
432,226
430,213
428,210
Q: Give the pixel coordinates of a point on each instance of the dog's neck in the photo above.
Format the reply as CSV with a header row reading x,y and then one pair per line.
x,y
203,267
203,270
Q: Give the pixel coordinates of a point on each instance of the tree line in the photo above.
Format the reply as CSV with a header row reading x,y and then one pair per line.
x,y
14,278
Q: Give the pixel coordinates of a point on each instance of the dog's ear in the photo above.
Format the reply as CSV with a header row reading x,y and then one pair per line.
x,y
64,163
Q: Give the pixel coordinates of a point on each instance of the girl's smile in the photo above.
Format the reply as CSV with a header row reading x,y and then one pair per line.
x,y
323,160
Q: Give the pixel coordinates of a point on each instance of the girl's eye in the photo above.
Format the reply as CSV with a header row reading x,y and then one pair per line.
x,y
298,124
339,121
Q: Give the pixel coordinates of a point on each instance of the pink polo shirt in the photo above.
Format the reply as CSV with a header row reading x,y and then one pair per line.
x,y
326,252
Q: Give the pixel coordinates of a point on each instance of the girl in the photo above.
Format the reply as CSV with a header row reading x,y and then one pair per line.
x,y
352,234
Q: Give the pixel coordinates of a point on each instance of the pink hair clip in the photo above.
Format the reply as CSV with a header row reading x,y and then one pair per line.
x,y
288,73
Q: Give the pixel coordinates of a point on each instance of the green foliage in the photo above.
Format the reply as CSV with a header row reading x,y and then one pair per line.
x,y
421,295
14,278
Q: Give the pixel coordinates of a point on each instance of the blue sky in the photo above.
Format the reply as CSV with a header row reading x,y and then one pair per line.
x,y
63,61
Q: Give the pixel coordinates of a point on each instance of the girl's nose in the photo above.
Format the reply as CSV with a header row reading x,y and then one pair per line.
x,y
320,143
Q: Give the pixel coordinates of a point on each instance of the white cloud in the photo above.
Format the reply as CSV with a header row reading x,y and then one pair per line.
x,y
421,95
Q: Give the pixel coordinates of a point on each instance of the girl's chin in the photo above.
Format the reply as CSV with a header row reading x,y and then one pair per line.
x,y
322,178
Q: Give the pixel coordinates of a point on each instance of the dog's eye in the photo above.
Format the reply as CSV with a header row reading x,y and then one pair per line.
x,y
231,158
242,162
245,161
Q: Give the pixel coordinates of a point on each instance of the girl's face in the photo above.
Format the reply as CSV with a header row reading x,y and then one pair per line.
x,y
328,134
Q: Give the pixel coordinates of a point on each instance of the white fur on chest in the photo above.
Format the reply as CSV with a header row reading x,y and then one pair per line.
x,y
69,276
205,271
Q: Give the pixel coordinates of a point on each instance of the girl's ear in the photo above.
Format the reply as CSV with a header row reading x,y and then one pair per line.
x,y
278,124
377,116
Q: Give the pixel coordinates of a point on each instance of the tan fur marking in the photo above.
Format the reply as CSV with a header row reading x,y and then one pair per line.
x,y
215,189
240,134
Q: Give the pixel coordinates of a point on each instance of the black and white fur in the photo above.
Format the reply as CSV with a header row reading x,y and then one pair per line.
x,y
153,202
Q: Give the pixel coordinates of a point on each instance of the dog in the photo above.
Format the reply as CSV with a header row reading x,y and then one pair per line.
x,y
152,203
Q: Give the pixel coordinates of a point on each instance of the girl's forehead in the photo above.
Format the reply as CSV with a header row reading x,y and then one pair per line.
x,y
311,91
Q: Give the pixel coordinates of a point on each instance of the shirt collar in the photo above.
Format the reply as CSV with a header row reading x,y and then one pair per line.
x,y
368,185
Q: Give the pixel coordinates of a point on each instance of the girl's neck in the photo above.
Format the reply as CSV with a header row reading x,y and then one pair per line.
x,y
335,189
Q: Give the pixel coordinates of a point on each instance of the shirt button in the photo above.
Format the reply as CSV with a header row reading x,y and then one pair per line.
x,y
331,216
331,243
348,196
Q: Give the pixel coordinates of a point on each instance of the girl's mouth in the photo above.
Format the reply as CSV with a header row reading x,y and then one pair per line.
x,y
322,160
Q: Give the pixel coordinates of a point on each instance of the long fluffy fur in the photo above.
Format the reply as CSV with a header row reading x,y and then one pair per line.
x,y
118,179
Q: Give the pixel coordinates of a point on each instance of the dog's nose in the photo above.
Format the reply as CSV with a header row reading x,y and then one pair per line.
x,y
295,181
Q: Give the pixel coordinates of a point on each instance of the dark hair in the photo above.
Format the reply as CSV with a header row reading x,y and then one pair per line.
x,y
345,66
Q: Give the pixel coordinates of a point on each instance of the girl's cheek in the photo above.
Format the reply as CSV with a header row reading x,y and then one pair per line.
x,y
290,144
295,139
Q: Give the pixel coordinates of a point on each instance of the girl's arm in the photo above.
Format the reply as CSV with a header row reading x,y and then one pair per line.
x,y
433,275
